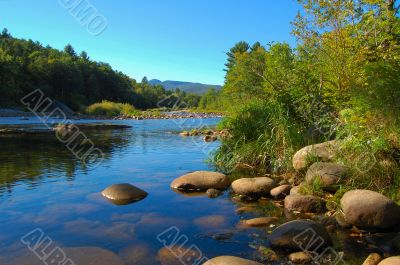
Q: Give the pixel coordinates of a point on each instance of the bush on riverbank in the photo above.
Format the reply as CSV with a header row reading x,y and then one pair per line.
x,y
111,109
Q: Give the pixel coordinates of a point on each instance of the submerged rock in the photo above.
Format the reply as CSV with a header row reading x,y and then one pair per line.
x,y
254,187
213,193
259,222
323,152
121,194
281,191
301,235
300,258
328,174
230,260
201,181
304,204
175,255
391,261
369,209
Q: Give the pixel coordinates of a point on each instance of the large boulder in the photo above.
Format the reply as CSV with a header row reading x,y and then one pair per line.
x,y
323,152
230,260
369,209
303,235
304,204
391,261
254,187
328,174
121,194
201,181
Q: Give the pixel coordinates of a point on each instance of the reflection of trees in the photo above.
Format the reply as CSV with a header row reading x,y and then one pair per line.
x,y
32,158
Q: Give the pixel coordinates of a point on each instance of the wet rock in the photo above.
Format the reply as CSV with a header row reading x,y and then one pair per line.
x,y
300,258
369,209
304,204
254,187
213,193
328,174
230,260
210,138
301,235
121,194
200,181
184,134
76,255
268,254
259,222
323,152
391,261
175,255
211,221
245,209
373,259
281,191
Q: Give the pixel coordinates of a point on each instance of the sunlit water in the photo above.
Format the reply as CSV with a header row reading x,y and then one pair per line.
x,y
42,185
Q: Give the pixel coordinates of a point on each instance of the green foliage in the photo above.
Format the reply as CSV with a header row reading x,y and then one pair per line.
x,y
263,138
111,109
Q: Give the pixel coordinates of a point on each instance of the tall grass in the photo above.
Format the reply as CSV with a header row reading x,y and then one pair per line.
x,y
263,139
111,109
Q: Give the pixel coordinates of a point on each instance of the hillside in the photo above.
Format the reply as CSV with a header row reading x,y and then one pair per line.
x,y
189,87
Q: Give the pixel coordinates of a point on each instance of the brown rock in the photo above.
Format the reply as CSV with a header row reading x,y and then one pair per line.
x,y
200,180
391,261
373,259
121,194
281,191
254,187
300,258
329,174
230,260
175,255
245,209
213,193
260,221
369,209
304,204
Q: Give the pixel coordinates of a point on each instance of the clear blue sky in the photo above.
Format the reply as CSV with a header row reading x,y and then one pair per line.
x,y
182,40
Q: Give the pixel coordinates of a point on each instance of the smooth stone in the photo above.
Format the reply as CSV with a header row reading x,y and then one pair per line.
x,y
391,261
260,221
79,255
174,255
304,204
245,209
373,259
200,180
300,235
369,209
323,151
300,258
329,174
230,260
121,194
281,191
254,187
213,193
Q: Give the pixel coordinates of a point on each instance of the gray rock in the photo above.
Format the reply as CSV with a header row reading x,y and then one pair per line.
x,y
121,194
230,260
328,173
302,235
304,204
323,152
369,209
201,181
254,187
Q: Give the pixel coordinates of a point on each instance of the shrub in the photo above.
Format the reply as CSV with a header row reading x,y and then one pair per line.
x,y
111,109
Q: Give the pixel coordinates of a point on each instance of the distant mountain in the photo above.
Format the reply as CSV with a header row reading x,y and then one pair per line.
x,y
185,86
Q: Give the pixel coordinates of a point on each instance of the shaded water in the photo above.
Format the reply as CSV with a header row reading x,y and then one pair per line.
x,y
42,185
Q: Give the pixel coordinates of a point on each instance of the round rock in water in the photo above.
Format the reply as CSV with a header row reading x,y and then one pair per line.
x,y
121,194
230,260
201,181
254,187
300,235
